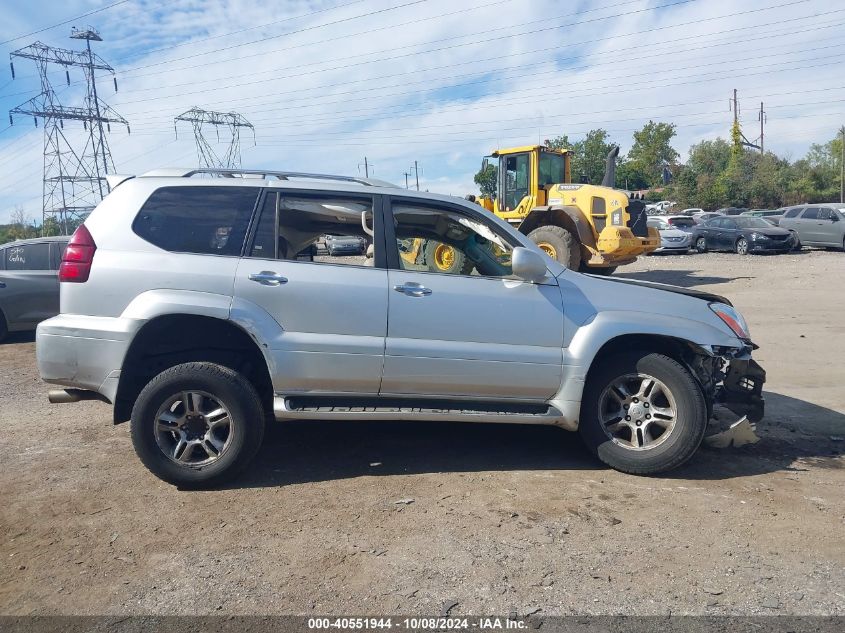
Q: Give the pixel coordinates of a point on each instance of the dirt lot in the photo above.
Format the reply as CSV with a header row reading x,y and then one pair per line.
x,y
406,518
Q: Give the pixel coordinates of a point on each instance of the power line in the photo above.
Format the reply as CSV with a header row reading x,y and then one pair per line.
x,y
76,19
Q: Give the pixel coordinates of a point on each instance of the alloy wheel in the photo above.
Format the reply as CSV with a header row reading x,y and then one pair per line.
x,y
193,428
637,411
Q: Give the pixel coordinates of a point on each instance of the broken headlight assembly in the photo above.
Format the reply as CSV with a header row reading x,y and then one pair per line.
x,y
732,318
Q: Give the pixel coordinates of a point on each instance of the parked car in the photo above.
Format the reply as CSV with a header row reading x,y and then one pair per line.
x,y
682,222
200,339
691,211
742,235
29,289
763,213
671,239
817,224
345,245
701,218
732,210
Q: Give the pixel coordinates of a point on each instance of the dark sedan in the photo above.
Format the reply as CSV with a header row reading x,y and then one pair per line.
x,y
743,235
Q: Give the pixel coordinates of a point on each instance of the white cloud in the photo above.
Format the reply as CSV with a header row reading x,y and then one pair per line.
x,y
446,86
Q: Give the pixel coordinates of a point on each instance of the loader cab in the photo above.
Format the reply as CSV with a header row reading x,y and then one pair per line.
x,y
524,176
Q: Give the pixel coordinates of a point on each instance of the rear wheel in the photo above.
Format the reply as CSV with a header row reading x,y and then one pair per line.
x,y
559,244
701,245
4,329
798,246
742,246
197,424
442,258
642,413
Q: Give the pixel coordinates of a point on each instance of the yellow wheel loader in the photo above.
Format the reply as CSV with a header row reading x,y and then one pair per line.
x,y
584,227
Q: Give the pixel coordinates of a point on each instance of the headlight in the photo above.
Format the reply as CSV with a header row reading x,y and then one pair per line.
x,y
759,236
732,319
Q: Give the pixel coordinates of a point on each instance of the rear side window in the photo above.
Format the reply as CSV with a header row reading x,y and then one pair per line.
x,y
811,214
28,257
204,220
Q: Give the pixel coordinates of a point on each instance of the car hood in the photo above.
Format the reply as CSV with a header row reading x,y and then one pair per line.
x,y
689,292
771,231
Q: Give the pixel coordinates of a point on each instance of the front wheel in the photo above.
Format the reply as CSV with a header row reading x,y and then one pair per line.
x,y
197,424
559,244
742,246
642,413
701,245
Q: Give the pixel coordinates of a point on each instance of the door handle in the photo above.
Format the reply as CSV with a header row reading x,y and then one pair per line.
x,y
268,278
413,289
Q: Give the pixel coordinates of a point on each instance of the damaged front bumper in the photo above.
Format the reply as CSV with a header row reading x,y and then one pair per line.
x,y
741,389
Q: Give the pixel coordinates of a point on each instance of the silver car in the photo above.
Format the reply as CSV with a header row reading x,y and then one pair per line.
x,y
671,239
29,289
186,305
817,224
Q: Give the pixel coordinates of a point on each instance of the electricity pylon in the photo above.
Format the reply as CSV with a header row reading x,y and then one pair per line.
x,y
198,117
74,170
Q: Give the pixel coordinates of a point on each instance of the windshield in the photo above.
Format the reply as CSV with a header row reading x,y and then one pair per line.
x,y
752,223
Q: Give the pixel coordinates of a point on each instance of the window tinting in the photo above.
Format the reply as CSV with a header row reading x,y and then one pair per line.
x,y
552,169
264,243
792,212
206,220
28,257
443,241
811,214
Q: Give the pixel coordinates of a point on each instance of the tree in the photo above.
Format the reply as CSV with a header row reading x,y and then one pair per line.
x,y
652,150
588,156
486,180
22,226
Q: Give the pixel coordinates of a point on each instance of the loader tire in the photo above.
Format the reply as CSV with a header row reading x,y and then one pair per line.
x,y
559,244
442,258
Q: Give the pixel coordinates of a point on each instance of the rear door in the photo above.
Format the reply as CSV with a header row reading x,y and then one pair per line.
x,y
469,330
807,226
30,290
322,317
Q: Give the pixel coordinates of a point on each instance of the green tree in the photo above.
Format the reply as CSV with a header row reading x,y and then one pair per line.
x,y
486,180
652,150
588,156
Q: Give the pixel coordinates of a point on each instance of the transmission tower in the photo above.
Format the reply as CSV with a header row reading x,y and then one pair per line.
x,y
74,169
198,117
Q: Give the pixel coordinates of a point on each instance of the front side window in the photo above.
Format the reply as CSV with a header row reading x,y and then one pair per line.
x,y
552,169
516,179
825,214
437,240
324,229
28,257
204,220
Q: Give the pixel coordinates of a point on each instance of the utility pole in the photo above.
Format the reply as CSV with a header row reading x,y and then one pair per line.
x,y
762,116
366,168
74,172
198,117
737,136
406,173
842,166
417,174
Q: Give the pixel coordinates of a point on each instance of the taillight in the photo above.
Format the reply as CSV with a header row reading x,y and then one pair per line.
x,y
77,258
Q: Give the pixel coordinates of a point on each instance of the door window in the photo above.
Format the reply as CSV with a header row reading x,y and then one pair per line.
x,y
28,257
439,240
206,220
516,179
793,212
811,214
323,229
825,214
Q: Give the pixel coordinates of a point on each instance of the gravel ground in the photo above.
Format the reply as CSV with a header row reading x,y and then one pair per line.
x,y
406,518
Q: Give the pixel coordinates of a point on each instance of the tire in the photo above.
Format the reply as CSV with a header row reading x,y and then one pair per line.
x,y
658,449
558,243
701,244
237,442
442,258
741,246
605,271
798,246
4,329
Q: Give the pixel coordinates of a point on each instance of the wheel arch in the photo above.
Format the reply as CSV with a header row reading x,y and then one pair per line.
x,y
167,340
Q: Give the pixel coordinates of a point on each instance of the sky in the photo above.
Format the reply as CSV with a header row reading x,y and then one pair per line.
x,y
326,83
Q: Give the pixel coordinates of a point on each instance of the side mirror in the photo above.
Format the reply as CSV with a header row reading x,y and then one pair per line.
x,y
834,218
528,265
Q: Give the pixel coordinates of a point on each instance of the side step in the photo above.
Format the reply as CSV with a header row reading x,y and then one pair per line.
x,y
335,408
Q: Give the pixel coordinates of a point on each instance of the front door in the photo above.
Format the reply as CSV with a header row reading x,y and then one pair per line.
x,y
324,316
474,331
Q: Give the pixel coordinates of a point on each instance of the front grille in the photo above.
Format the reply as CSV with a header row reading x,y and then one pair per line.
x,y
779,238
637,218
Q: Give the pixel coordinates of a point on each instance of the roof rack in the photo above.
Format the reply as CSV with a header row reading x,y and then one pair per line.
x,y
279,175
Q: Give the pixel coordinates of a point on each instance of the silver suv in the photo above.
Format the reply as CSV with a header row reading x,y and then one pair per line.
x,y
196,303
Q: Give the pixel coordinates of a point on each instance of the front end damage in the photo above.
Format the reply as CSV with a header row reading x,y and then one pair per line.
x,y
732,382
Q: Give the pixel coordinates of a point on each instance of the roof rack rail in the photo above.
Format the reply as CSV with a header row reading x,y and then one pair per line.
x,y
266,174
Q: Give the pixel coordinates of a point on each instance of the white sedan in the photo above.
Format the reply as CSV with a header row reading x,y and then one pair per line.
x,y
672,240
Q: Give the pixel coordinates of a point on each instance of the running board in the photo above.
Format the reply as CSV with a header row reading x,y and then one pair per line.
x,y
364,409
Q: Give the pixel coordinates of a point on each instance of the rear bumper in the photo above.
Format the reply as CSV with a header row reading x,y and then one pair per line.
x,y
83,352
742,389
